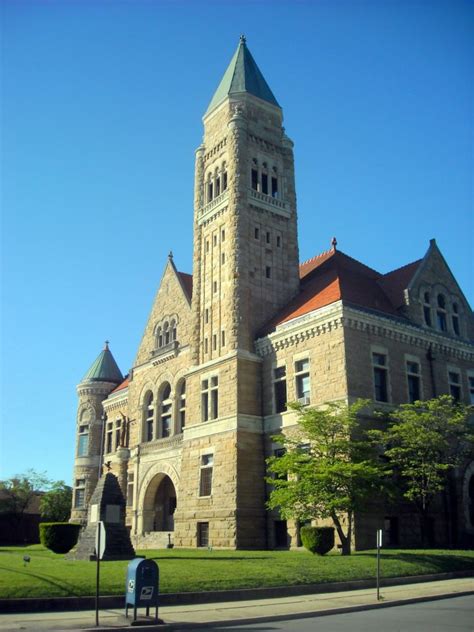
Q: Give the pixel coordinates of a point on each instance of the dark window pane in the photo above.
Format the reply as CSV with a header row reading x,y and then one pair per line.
x,y
380,381
264,183
413,388
205,483
203,534
280,396
255,179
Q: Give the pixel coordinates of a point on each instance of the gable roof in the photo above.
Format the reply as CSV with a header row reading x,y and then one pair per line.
x,y
242,75
187,283
333,276
122,386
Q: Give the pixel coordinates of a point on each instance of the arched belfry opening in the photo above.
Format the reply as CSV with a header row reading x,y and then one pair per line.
x,y
159,505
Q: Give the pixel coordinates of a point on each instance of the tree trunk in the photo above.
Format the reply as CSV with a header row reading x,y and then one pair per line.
x,y
345,539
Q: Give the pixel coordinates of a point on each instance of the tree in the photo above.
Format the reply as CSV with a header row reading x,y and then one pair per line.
x,y
16,493
424,441
55,504
327,470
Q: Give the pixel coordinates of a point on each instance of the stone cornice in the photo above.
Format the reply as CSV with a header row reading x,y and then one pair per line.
x,y
407,333
316,323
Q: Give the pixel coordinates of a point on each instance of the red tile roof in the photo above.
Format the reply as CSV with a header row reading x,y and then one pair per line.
x,y
122,385
333,276
187,281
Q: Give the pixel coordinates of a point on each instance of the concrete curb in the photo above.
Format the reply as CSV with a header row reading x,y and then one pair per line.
x,y
246,594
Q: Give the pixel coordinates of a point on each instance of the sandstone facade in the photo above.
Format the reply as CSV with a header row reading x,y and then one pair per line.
x,y
188,431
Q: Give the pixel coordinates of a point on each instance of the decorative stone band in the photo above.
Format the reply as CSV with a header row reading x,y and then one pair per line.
x,y
337,315
161,444
169,350
269,203
212,207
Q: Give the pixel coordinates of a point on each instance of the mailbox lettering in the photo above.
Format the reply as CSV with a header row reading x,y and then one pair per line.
x,y
147,592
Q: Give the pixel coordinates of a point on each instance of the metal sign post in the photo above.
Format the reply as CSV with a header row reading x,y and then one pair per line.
x,y
379,546
99,554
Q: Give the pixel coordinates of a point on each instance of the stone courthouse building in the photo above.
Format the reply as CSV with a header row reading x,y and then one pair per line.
x,y
188,430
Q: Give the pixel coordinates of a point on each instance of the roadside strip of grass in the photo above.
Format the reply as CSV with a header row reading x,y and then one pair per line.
x,y
189,570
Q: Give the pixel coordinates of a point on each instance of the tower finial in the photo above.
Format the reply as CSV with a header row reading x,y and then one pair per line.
x,y
106,348
334,243
243,39
170,255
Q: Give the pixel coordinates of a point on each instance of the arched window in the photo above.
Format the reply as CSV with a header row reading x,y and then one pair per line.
x,y
254,175
166,334
159,337
217,183
181,406
265,178
165,411
455,319
224,176
173,330
427,308
441,313
149,414
274,182
209,188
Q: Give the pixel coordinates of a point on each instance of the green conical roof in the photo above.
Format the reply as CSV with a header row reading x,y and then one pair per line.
x,y
104,369
242,75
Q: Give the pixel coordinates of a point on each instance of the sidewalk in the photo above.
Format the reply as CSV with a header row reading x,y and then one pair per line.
x,y
243,612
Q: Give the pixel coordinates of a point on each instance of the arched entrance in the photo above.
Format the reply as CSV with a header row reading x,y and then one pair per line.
x,y
159,505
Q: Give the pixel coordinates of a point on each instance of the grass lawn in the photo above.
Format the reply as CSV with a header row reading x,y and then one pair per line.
x,y
51,575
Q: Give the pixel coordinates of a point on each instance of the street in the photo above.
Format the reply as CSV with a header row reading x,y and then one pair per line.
x,y
445,615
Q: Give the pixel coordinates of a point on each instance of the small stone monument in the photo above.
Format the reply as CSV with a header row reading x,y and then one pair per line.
x,y
107,504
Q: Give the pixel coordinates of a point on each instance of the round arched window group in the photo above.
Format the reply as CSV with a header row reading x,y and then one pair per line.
x,y
441,313
166,333
216,182
164,414
264,178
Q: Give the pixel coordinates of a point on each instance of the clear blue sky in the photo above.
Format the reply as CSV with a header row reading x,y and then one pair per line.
x,y
102,106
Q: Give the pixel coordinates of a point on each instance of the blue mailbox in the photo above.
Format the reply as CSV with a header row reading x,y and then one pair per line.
x,y
141,589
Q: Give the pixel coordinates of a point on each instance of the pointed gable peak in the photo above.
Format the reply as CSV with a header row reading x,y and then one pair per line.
x,y
242,75
104,368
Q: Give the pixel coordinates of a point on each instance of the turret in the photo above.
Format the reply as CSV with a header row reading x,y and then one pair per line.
x,y
102,377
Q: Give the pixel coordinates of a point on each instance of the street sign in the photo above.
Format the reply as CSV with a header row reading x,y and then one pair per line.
x,y
100,540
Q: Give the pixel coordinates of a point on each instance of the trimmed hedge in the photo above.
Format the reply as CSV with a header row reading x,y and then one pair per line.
x,y
59,537
317,539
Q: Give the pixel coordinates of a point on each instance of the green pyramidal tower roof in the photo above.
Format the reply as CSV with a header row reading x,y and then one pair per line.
x,y
242,75
104,369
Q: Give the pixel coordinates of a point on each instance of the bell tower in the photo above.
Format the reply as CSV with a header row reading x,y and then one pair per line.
x,y
245,230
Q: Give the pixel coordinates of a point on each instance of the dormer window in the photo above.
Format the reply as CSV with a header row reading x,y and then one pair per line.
x,y
441,313
455,319
427,308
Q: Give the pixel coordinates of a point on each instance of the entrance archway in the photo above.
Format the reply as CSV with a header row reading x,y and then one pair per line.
x,y
159,504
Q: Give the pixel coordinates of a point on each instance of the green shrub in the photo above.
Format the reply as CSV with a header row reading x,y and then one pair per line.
x,y
59,537
317,539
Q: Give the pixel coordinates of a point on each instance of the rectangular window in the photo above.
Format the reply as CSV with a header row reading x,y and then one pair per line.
x,y
118,428
224,181
379,362
79,493
303,384
209,191
223,258
223,235
203,534
278,241
214,239
268,272
254,179
205,345
83,443
109,437
214,342
206,316
414,381
256,233
205,479
214,398
130,487
223,338
207,245
265,183
470,381
214,286
205,399
454,381
268,237
279,387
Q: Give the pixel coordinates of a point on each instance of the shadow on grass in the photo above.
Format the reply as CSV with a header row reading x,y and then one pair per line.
x,y
47,579
439,562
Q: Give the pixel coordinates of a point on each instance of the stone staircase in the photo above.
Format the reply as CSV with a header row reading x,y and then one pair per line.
x,y
153,540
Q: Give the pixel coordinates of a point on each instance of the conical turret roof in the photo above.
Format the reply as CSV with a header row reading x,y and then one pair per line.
x,y
104,369
242,75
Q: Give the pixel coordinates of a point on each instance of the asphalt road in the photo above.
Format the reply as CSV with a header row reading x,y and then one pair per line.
x,y
446,615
